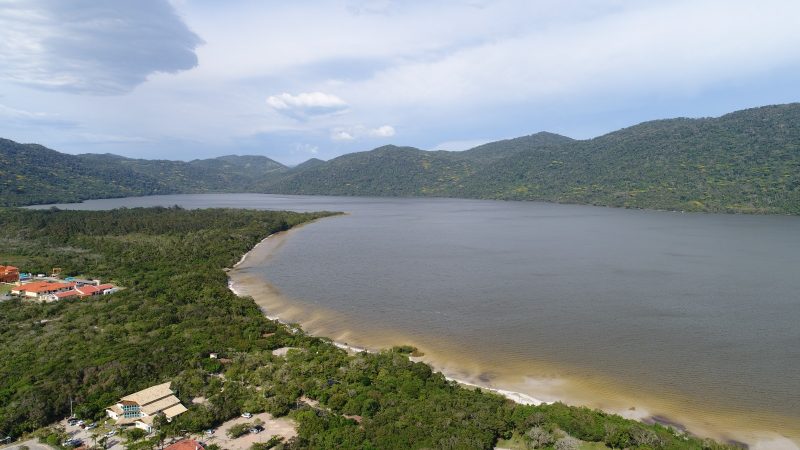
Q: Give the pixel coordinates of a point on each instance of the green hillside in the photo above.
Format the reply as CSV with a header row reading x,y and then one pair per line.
x,y
747,162
230,173
31,174
385,171
494,151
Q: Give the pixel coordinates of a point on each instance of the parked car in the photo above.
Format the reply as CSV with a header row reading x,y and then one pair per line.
x,y
209,432
111,433
256,429
73,443
91,426
247,415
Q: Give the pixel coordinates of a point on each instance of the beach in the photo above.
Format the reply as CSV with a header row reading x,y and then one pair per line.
x,y
456,364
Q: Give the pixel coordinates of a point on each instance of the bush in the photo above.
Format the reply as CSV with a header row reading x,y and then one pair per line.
x,y
239,430
134,434
274,440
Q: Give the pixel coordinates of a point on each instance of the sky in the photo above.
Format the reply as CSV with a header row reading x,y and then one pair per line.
x,y
186,79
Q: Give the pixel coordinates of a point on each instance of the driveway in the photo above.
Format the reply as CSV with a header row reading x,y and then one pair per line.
x,y
75,432
284,427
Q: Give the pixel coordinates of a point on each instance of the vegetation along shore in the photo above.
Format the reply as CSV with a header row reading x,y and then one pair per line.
x,y
177,310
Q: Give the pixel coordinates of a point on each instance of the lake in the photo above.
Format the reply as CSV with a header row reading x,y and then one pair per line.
x,y
690,318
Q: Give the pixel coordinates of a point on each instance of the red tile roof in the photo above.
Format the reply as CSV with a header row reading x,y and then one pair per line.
x,y
186,444
65,294
91,290
45,286
34,284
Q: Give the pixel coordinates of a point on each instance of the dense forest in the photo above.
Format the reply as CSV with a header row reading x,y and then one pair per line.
x,y
33,174
743,162
176,309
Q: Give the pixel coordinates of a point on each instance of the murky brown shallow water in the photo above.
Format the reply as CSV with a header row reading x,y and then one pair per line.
x,y
693,317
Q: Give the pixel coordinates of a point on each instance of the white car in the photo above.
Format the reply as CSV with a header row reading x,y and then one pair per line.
x,y
247,415
111,433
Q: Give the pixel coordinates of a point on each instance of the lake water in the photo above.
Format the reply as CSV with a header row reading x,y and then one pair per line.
x,y
693,317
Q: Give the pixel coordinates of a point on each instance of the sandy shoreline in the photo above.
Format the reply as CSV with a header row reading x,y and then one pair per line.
x,y
276,307
260,253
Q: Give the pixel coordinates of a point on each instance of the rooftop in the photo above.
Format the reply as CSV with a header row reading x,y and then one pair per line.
x,y
64,294
186,444
44,286
88,290
160,405
150,394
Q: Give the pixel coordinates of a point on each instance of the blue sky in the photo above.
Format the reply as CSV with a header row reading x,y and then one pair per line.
x,y
187,79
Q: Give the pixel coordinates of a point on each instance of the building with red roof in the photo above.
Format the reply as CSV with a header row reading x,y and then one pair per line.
x,y
89,290
9,274
186,444
41,289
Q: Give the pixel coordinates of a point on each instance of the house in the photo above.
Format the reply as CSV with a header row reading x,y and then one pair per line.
x,y
186,444
89,290
140,408
9,274
41,289
50,291
62,295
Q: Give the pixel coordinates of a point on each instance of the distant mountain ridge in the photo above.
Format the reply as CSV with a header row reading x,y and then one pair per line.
x,y
33,174
747,161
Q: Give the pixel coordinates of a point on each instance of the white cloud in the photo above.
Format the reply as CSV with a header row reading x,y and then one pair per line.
x,y
382,131
342,135
677,46
499,68
306,104
92,47
360,131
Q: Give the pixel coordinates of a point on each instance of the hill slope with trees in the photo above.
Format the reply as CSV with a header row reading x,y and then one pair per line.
x,y
747,162
33,174
743,162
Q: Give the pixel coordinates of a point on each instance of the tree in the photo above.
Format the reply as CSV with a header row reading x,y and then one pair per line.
x,y
539,437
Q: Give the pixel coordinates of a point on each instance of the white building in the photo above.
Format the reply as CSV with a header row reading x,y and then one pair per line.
x,y
140,408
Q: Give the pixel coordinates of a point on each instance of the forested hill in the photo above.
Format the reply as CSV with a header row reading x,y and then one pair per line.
x,y
747,161
31,174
